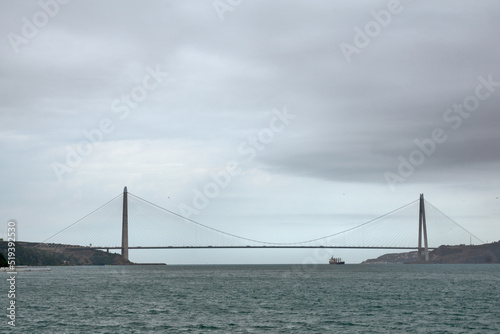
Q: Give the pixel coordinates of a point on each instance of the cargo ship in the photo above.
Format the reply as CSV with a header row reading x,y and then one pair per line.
x,y
336,260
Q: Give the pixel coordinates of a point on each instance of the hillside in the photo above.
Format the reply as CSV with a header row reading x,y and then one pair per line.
x,y
393,258
487,253
33,254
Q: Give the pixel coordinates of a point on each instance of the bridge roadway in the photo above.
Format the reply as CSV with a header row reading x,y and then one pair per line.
x,y
226,247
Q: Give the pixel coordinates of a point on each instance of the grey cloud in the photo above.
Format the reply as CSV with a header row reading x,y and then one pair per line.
x,y
353,120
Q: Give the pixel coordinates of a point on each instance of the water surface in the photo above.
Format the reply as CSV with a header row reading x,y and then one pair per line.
x,y
259,299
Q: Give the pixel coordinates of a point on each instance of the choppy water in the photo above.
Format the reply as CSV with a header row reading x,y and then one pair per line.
x,y
258,299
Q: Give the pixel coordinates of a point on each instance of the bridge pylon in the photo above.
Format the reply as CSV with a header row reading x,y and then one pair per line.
x,y
125,225
422,230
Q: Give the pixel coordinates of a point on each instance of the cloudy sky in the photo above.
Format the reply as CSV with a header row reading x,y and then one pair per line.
x,y
324,114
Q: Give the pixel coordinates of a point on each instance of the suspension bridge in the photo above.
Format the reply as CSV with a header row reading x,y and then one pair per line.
x,y
145,225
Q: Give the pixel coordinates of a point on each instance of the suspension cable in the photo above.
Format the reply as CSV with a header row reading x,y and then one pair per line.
x,y
266,242
79,220
454,222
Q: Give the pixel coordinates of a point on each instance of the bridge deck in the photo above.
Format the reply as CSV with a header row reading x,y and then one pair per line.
x,y
245,247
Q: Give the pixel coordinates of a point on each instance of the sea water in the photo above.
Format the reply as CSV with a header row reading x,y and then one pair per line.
x,y
257,299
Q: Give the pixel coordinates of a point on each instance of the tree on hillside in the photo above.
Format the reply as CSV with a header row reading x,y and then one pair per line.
x,y
3,261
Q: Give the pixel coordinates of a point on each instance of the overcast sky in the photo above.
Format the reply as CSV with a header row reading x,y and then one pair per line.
x,y
325,113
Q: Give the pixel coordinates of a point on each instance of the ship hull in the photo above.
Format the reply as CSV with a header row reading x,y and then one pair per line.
x,y
336,260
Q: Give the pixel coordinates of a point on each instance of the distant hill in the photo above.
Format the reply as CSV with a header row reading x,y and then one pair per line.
x,y
34,254
394,258
487,253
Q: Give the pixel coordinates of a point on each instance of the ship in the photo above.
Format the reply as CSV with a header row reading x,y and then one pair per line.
x,y
336,260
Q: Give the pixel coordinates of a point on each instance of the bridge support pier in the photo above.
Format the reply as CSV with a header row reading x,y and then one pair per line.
x,y
422,229
125,225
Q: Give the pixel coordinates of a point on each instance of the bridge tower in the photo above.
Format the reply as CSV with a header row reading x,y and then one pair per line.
x,y
125,225
422,230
